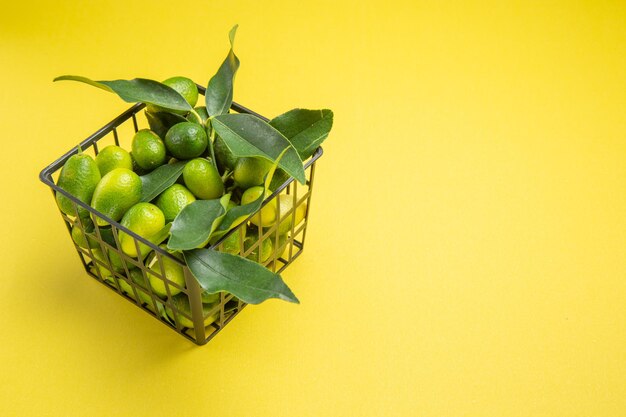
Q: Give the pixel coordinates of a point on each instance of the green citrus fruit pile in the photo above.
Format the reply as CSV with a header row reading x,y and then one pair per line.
x,y
112,183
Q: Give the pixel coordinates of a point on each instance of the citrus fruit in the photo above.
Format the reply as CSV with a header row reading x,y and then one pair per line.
x,y
139,283
202,179
181,303
266,248
148,149
144,219
173,272
285,204
112,262
116,192
78,235
267,215
250,171
173,200
185,87
223,155
232,243
79,177
113,157
186,140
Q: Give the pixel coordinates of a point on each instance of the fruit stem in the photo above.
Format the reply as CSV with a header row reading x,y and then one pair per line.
x,y
226,175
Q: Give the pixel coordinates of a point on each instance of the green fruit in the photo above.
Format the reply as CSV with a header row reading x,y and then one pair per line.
x,y
140,284
186,140
231,243
285,204
148,149
202,179
201,112
173,272
79,177
181,302
268,213
185,87
113,261
144,219
251,171
173,200
116,192
224,157
266,248
78,236
113,157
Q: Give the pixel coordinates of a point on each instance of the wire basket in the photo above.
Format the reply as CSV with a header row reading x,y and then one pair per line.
x,y
131,276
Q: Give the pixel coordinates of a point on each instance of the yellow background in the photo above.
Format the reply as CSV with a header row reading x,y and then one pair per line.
x,y
467,241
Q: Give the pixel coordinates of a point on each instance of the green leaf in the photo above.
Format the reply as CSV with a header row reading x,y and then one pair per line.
x,y
235,216
158,180
160,122
138,90
219,92
247,135
305,129
195,223
245,279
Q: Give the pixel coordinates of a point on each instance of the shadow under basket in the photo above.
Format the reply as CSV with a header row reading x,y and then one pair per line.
x,y
184,309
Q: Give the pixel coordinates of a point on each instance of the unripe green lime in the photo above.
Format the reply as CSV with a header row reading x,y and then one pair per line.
x,y
232,243
78,235
223,155
173,200
113,157
268,213
144,219
265,247
148,149
251,171
186,140
79,177
202,179
173,272
285,204
181,303
140,284
116,192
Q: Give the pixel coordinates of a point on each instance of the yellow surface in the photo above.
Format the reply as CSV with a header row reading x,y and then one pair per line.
x,y
466,251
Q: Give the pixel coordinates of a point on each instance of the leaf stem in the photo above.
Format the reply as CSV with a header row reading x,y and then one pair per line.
x,y
211,133
195,113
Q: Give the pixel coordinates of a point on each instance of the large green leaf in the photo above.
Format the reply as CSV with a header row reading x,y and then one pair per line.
x,y
234,217
160,122
138,90
195,223
219,92
305,129
158,180
247,135
245,279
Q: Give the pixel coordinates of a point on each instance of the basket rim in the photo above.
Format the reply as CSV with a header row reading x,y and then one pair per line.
x,y
46,174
